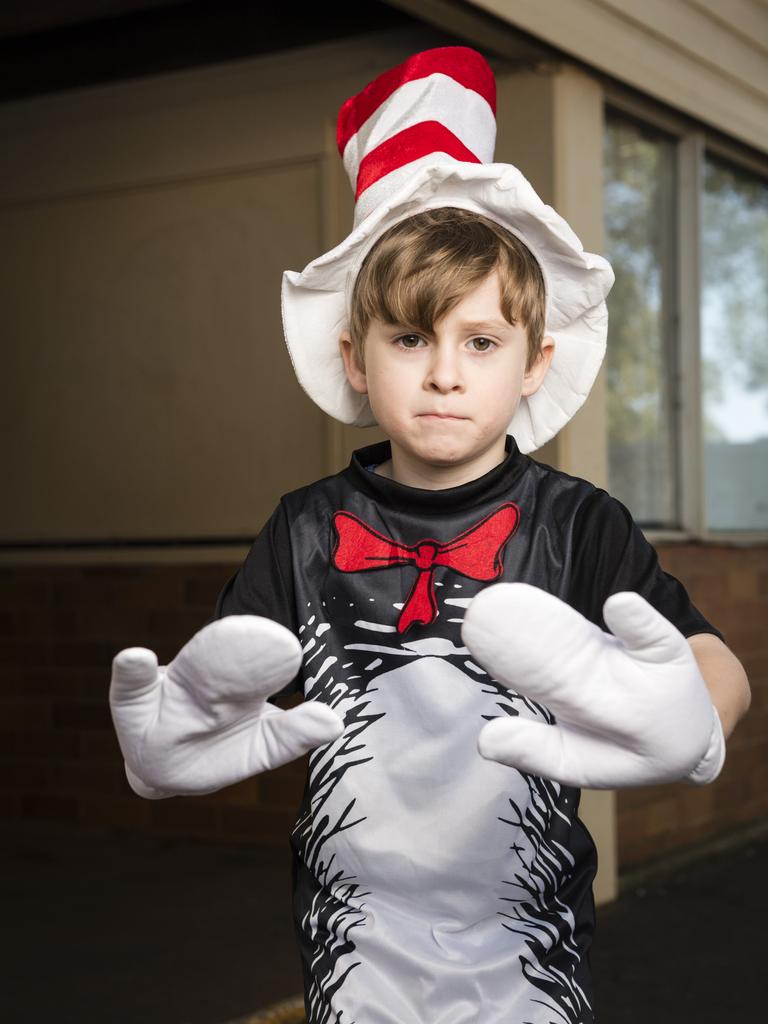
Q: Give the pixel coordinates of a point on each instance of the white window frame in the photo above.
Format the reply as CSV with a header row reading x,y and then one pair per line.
x,y
694,142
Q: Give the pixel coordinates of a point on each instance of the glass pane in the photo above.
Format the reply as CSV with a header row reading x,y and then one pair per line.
x,y
639,203
734,348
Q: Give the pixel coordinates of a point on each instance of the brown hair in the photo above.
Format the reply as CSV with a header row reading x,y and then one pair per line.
x,y
421,267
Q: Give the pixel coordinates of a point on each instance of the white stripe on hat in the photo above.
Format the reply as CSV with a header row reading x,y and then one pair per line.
x,y
437,98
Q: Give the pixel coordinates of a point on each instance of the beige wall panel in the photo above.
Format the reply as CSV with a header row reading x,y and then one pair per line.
x,y
694,31
156,129
147,390
667,48
525,126
149,156
189,123
747,18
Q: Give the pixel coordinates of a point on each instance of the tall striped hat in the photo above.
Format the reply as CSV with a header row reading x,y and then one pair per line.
x,y
422,136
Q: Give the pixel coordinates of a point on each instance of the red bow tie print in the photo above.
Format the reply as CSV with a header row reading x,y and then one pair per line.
x,y
476,553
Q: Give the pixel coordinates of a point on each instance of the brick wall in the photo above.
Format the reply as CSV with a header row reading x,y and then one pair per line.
x,y
730,586
59,630
61,626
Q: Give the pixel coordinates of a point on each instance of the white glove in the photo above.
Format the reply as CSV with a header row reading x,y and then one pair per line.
x,y
203,722
631,709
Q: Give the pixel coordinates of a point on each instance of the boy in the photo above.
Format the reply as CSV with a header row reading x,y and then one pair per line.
x,y
433,884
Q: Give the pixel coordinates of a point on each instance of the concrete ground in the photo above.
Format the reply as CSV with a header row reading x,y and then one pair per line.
x,y
111,927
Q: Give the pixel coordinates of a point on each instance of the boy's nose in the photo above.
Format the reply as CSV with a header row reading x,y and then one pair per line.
x,y
444,372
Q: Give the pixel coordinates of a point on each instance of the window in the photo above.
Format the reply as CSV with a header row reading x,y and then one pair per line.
x,y
639,205
687,363
734,347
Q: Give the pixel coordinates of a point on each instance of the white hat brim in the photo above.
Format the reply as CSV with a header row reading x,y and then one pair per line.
x,y
315,302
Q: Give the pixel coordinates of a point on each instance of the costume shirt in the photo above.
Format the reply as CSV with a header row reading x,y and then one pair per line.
x,y
432,886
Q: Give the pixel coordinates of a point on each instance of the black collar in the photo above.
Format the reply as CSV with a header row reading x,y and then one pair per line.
x,y
493,484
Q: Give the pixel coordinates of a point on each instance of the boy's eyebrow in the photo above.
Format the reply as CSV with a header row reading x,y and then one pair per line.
x,y
465,325
484,325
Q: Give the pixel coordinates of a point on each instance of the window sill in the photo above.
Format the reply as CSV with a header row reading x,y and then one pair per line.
x,y
178,554
732,539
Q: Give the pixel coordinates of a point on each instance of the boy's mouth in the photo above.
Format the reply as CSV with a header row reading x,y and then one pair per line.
x,y
440,416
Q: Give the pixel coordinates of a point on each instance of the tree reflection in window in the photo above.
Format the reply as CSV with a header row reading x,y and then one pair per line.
x,y
734,347
639,204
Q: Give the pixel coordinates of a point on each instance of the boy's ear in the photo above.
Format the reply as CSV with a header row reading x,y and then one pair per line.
x,y
355,373
535,375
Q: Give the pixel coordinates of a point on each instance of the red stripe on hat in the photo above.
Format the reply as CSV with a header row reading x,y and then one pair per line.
x,y
462,64
408,145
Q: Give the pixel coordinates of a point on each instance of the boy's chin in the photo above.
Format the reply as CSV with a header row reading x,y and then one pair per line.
x,y
442,454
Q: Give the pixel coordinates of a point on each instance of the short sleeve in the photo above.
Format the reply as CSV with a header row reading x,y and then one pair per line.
x,y
263,585
612,555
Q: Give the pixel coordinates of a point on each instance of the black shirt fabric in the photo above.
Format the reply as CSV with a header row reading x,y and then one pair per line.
x,y
430,884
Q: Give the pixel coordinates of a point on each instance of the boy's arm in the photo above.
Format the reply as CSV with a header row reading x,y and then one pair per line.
x,y
725,678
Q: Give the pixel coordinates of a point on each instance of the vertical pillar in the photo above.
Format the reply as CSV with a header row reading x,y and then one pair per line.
x,y
550,125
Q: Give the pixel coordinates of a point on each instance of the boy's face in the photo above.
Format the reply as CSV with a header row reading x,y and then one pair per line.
x,y
446,399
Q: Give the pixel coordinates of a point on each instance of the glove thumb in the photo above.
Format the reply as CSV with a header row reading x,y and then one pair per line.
x,y
287,735
643,631
134,675
521,743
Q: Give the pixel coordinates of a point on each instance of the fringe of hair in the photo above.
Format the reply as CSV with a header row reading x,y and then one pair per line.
x,y
422,267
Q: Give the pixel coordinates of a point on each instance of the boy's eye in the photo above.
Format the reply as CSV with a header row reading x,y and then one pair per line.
x,y
483,344
412,341
409,340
